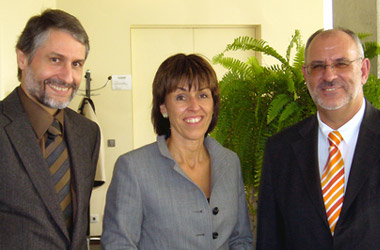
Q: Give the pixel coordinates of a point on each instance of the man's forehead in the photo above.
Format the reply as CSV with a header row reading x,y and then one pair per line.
x,y
334,43
60,42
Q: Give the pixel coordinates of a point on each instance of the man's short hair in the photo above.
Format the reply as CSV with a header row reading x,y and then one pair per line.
x,y
38,29
352,34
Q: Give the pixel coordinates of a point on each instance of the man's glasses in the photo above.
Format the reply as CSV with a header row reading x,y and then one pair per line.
x,y
339,66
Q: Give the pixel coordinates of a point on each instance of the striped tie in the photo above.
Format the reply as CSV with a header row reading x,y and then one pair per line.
x,y
333,181
59,164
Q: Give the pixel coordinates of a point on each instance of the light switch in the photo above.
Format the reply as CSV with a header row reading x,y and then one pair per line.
x,y
111,143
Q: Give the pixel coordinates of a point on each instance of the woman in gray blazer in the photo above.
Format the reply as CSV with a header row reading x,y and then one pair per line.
x,y
185,191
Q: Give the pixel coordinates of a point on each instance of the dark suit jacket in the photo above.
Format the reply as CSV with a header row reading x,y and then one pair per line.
x,y
291,213
30,216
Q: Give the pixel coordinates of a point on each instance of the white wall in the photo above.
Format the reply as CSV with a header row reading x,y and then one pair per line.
x,y
108,25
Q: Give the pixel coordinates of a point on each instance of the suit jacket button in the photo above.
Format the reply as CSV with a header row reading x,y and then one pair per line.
x,y
215,211
215,235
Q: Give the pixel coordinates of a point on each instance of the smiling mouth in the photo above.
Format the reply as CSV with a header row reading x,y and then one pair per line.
x,y
193,120
58,88
330,86
330,89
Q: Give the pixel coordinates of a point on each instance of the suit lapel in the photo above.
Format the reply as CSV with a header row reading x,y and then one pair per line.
x,y
306,152
20,131
217,160
366,156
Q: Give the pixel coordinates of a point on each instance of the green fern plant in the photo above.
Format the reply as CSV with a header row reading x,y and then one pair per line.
x,y
258,101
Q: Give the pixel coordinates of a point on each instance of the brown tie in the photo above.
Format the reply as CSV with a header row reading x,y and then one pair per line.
x,y
333,181
59,164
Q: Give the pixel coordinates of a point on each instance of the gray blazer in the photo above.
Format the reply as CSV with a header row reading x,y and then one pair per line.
x,y
30,215
152,204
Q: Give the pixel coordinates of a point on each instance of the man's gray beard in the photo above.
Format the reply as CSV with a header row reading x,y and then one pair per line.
x,y
38,90
50,102
318,101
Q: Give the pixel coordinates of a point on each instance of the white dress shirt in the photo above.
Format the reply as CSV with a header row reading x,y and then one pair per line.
x,y
349,132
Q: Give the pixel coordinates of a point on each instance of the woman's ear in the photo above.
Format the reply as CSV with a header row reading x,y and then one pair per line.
x,y
163,110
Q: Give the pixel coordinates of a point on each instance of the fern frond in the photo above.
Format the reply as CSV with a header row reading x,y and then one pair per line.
x,y
276,106
290,82
372,91
227,81
364,35
296,40
255,65
235,65
372,49
249,43
288,111
246,43
299,58
274,67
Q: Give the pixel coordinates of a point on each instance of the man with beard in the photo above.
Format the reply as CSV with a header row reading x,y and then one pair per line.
x,y
48,152
320,184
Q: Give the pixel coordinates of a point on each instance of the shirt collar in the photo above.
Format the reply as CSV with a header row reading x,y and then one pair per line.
x,y
39,118
347,129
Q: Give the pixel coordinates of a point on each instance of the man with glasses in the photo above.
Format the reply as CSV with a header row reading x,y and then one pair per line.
x,y
320,184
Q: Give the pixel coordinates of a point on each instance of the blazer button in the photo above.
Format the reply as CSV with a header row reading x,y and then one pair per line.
x,y
215,211
215,235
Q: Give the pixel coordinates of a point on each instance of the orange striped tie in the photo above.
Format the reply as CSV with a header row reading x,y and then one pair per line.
x,y
333,181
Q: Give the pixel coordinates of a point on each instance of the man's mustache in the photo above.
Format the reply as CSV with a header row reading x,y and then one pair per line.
x,y
330,84
60,83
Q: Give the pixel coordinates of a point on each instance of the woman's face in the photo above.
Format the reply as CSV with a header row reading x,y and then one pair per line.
x,y
189,111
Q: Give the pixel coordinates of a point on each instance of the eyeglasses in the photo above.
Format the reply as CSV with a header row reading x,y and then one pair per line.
x,y
339,66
